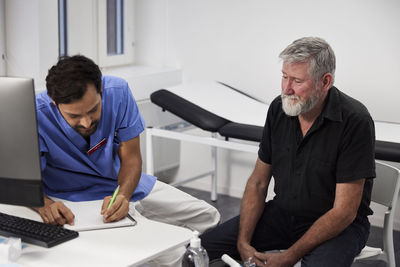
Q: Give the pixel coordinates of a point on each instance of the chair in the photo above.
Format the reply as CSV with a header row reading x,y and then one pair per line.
x,y
385,192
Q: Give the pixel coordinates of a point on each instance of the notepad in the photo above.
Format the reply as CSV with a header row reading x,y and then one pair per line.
x,y
88,217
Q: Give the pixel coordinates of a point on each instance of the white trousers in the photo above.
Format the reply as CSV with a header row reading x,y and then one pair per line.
x,y
169,205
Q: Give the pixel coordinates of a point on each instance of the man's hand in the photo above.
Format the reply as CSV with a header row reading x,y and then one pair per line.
x,y
118,210
128,179
273,259
246,251
55,213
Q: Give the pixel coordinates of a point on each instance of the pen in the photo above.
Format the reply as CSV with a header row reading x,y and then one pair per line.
x,y
113,197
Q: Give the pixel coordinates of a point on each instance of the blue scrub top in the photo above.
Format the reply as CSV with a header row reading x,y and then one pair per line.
x,y
68,171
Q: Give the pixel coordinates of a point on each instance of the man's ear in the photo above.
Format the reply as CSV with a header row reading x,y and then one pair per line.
x,y
327,81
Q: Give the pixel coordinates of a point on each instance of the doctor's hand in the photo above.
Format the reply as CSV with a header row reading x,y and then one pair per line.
x,y
118,210
55,213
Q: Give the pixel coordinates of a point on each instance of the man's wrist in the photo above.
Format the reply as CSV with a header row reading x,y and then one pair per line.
x,y
242,245
125,197
126,190
290,257
46,202
125,194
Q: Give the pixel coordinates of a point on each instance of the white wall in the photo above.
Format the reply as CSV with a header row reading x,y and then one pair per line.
x,y
238,42
82,20
151,32
31,38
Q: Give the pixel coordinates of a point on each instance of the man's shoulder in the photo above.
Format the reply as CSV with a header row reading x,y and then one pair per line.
x,y
114,87
46,112
352,107
276,103
42,101
113,82
275,108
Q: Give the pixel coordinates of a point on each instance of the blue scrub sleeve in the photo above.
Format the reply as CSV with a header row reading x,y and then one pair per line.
x,y
131,123
43,150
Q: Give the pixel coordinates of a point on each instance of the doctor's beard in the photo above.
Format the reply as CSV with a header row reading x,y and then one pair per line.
x,y
86,132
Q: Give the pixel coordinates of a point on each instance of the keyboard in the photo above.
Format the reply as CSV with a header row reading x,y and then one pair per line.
x,y
34,232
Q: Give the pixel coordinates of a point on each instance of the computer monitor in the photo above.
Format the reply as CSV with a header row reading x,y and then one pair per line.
x,y
20,173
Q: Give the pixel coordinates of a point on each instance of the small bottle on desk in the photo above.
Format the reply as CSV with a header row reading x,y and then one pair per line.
x,y
195,255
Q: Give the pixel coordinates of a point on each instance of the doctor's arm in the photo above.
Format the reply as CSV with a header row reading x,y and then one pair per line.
x,y
52,212
128,179
332,223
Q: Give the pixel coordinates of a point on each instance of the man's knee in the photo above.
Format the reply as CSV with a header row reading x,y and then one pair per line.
x,y
221,239
338,251
342,249
329,259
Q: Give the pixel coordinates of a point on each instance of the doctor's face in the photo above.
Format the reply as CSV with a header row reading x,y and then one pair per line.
x,y
83,115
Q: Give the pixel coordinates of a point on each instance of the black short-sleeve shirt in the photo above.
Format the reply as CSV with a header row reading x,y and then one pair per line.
x,y
338,148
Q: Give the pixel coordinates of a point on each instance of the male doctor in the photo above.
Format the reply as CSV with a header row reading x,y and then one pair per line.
x,y
89,128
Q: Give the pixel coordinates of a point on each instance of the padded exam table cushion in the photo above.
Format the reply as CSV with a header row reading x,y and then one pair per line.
x,y
388,151
188,111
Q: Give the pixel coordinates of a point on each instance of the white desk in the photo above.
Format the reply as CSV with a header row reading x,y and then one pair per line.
x,y
126,246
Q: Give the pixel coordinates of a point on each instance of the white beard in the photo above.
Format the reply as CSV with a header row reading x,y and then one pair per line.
x,y
301,106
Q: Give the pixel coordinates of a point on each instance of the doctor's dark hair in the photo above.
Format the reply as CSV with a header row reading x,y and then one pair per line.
x,y
314,50
67,80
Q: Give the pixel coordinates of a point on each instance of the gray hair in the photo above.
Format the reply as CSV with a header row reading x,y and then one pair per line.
x,y
314,50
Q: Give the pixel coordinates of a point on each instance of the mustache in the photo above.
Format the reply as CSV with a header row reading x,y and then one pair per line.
x,y
290,97
91,125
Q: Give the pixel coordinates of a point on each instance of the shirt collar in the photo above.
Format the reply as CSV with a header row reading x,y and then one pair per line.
x,y
332,109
